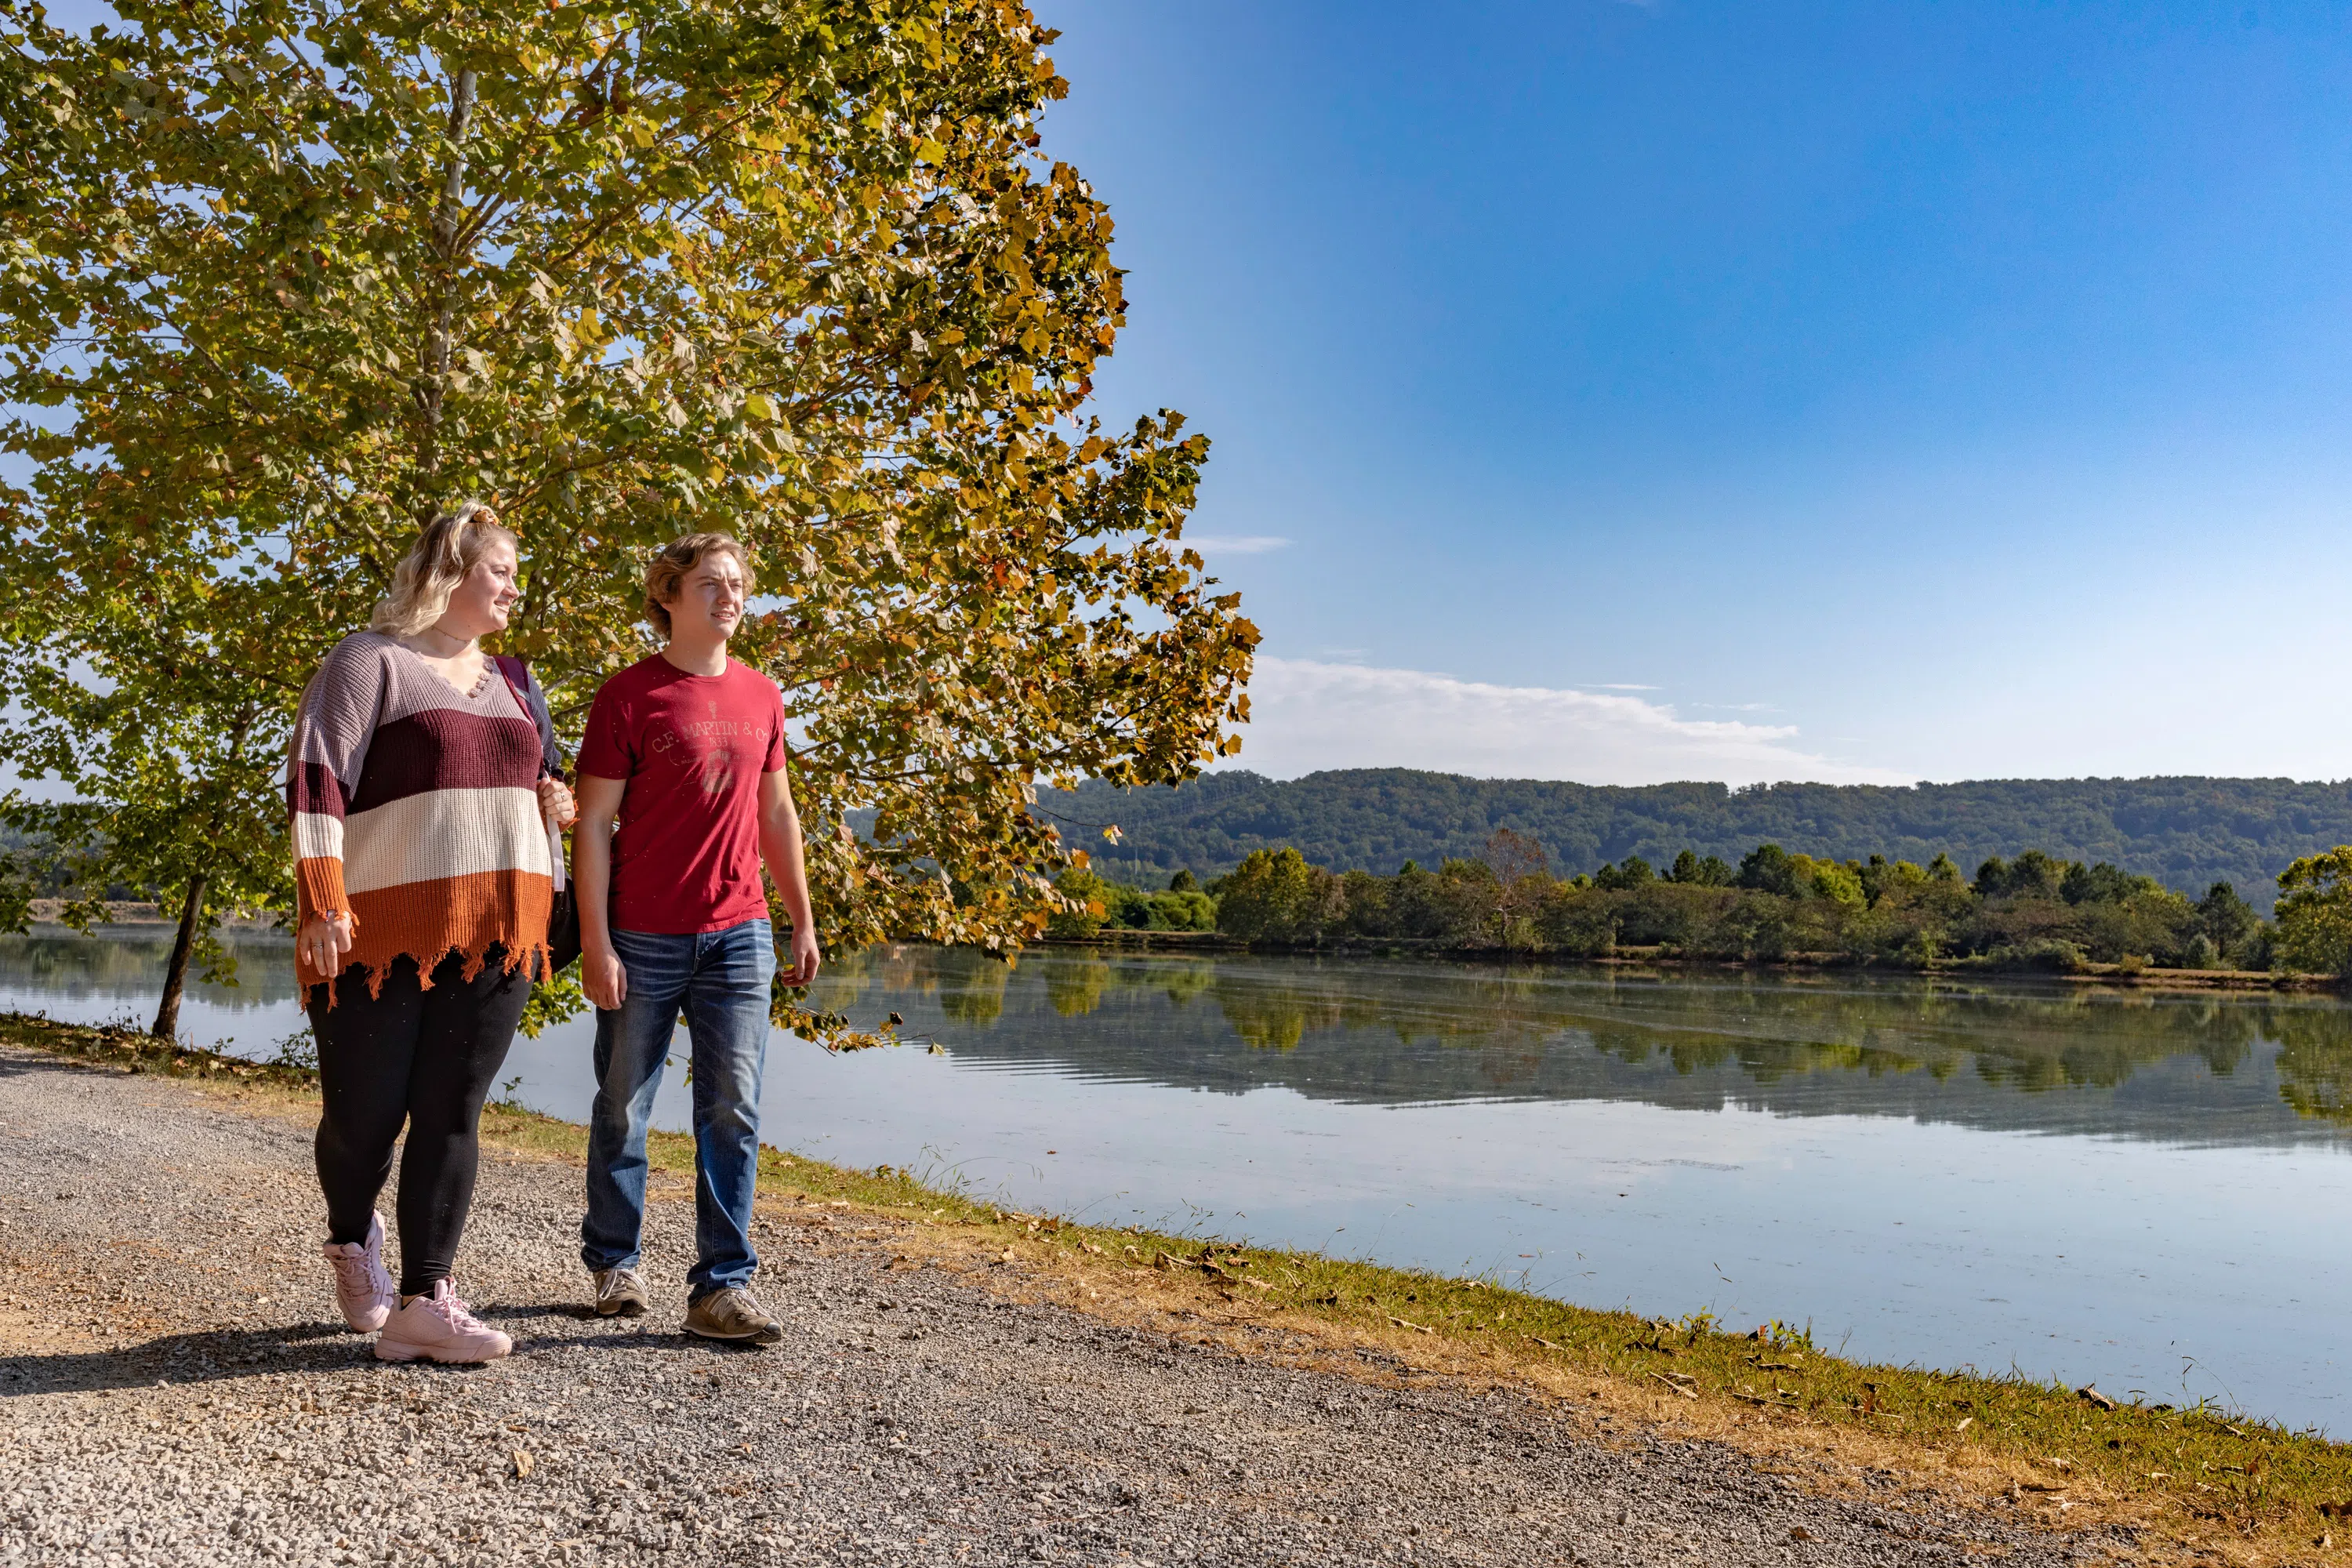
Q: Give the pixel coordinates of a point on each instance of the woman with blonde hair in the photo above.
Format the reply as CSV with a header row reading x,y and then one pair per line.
x,y
421,783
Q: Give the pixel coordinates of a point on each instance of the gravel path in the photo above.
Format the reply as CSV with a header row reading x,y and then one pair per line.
x,y
175,1388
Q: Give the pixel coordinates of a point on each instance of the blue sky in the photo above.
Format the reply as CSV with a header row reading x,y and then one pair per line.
x,y
1698,390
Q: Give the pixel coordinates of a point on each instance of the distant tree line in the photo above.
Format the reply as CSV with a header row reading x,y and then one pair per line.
x,y
2035,911
1123,906
2186,832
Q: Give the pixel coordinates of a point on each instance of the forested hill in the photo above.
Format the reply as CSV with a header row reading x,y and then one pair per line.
x,y
2188,833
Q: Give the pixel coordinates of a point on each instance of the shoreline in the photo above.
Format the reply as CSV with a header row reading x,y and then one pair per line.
x,y
140,921
2204,1477
1638,960
131,914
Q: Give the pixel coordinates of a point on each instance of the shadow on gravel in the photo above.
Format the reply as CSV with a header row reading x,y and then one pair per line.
x,y
226,1354
646,1340
217,1356
574,1309
29,1066
651,1332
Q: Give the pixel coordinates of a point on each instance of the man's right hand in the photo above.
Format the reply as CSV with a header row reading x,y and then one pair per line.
x,y
605,978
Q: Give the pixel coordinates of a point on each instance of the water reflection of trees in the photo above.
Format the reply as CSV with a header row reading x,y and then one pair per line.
x,y
1770,1029
132,967
2314,1063
1077,989
2022,1041
966,985
970,985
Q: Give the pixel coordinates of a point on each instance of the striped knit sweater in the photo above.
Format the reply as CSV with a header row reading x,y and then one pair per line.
x,y
415,808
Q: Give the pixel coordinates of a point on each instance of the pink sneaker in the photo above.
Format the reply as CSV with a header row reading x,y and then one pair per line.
x,y
363,1289
438,1328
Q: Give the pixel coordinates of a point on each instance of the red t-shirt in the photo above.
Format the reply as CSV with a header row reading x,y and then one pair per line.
x,y
690,748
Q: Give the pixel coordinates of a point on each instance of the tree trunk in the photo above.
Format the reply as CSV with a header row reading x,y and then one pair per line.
x,y
432,387
175,975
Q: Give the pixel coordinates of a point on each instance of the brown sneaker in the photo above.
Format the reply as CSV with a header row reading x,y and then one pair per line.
x,y
620,1293
734,1315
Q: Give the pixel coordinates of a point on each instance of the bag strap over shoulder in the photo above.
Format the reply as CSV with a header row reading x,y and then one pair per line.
x,y
518,673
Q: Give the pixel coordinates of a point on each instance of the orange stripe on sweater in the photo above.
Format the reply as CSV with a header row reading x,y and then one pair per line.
x,y
318,884
427,921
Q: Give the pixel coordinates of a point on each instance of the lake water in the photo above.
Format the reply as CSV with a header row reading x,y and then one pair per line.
x,y
2146,1192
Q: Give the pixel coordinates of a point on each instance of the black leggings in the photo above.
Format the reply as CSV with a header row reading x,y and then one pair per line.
x,y
423,1057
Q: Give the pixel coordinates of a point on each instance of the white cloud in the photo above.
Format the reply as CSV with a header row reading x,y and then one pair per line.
x,y
1236,543
1618,686
1308,715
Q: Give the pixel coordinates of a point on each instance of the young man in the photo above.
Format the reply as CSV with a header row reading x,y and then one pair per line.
x,y
686,751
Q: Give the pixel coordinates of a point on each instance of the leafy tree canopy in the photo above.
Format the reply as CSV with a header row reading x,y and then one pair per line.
x,y
2314,913
279,279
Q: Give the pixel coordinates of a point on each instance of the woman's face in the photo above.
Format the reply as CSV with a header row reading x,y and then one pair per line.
x,y
479,605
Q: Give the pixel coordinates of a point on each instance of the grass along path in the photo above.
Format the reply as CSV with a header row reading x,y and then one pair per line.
x,y
2192,1482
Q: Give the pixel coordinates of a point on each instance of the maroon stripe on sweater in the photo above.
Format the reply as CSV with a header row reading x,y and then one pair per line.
x,y
442,748
313,787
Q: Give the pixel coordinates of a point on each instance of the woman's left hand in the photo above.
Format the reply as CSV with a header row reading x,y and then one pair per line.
x,y
555,803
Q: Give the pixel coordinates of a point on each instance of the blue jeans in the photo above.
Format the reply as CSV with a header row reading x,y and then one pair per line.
x,y
719,979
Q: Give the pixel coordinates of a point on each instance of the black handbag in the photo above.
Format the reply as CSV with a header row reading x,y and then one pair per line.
x,y
563,914
563,932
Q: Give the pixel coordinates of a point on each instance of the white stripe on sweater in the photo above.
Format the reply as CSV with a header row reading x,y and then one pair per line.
x,y
318,836
445,833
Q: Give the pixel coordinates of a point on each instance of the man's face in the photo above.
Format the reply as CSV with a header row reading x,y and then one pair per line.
x,y
711,597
